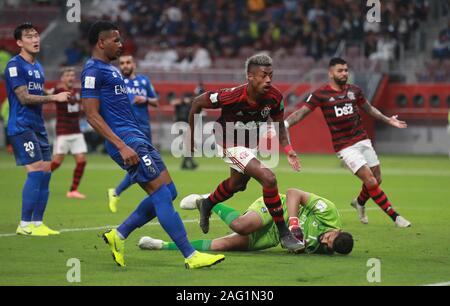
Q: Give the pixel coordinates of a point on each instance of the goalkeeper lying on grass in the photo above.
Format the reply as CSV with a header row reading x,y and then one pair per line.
x,y
314,220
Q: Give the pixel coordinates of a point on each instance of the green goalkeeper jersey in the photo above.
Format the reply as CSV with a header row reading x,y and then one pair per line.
x,y
317,217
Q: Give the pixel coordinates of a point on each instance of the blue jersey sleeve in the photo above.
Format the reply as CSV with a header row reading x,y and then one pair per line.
x,y
91,80
15,75
151,93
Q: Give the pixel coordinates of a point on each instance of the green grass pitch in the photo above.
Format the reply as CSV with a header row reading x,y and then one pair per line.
x,y
418,187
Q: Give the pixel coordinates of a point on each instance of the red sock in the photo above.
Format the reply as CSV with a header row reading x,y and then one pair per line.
x,y
273,203
55,166
363,196
382,200
221,194
77,174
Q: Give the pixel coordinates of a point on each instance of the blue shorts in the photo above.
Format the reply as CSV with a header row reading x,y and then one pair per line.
x,y
30,147
150,165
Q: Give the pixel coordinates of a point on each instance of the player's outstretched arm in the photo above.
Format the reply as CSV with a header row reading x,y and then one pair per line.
x,y
374,112
297,116
27,99
285,143
198,105
91,109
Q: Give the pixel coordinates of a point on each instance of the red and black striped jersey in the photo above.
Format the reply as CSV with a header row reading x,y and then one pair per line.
x,y
68,114
241,116
341,112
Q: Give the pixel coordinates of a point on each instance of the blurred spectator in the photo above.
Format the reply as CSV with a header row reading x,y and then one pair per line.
x,y
441,48
386,48
196,57
75,53
4,114
5,56
182,109
224,28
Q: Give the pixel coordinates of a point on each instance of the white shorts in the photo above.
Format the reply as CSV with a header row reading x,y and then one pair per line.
x,y
237,157
358,155
75,144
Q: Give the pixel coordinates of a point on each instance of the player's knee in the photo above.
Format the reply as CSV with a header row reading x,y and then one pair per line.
x,y
371,182
241,186
270,180
239,227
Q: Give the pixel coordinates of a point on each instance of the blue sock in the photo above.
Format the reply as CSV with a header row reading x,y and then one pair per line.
x,y
41,205
30,194
173,190
144,213
126,182
171,221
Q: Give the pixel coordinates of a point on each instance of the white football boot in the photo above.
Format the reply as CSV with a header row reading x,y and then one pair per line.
x,y
361,211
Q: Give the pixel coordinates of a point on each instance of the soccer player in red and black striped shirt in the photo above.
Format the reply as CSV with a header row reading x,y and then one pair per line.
x,y
68,135
340,104
244,109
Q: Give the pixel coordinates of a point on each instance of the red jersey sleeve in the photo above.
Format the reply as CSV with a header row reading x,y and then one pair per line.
x,y
223,97
312,101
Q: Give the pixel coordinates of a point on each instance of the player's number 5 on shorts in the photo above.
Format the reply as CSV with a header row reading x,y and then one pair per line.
x,y
147,161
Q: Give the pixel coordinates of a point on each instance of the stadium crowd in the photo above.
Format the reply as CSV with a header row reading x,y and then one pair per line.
x,y
201,33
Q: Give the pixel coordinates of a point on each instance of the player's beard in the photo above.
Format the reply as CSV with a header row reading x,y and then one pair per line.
x,y
340,82
128,73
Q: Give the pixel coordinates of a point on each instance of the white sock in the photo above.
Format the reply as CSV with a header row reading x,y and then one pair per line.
x,y
37,223
192,255
120,235
24,223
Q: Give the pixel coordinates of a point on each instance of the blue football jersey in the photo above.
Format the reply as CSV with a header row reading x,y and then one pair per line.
x,y
23,118
104,82
140,86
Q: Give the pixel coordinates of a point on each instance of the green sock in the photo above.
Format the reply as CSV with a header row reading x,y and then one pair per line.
x,y
199,245
226,213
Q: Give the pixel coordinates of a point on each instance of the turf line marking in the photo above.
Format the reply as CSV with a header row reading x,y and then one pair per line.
x,y
438,284
105,227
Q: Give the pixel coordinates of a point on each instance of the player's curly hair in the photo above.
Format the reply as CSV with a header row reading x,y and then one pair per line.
x,y
343,243
260,59
97,28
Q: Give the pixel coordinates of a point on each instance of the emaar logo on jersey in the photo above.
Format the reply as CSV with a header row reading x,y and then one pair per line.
x,y
137,91
35,86
120,90
344,111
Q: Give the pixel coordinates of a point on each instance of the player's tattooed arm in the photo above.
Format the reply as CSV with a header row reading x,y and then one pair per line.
x,y
198,105
27,99
297,116
374,112
91,108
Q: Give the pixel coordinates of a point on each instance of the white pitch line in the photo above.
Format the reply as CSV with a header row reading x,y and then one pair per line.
x,y
98,228
438,284
88,229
